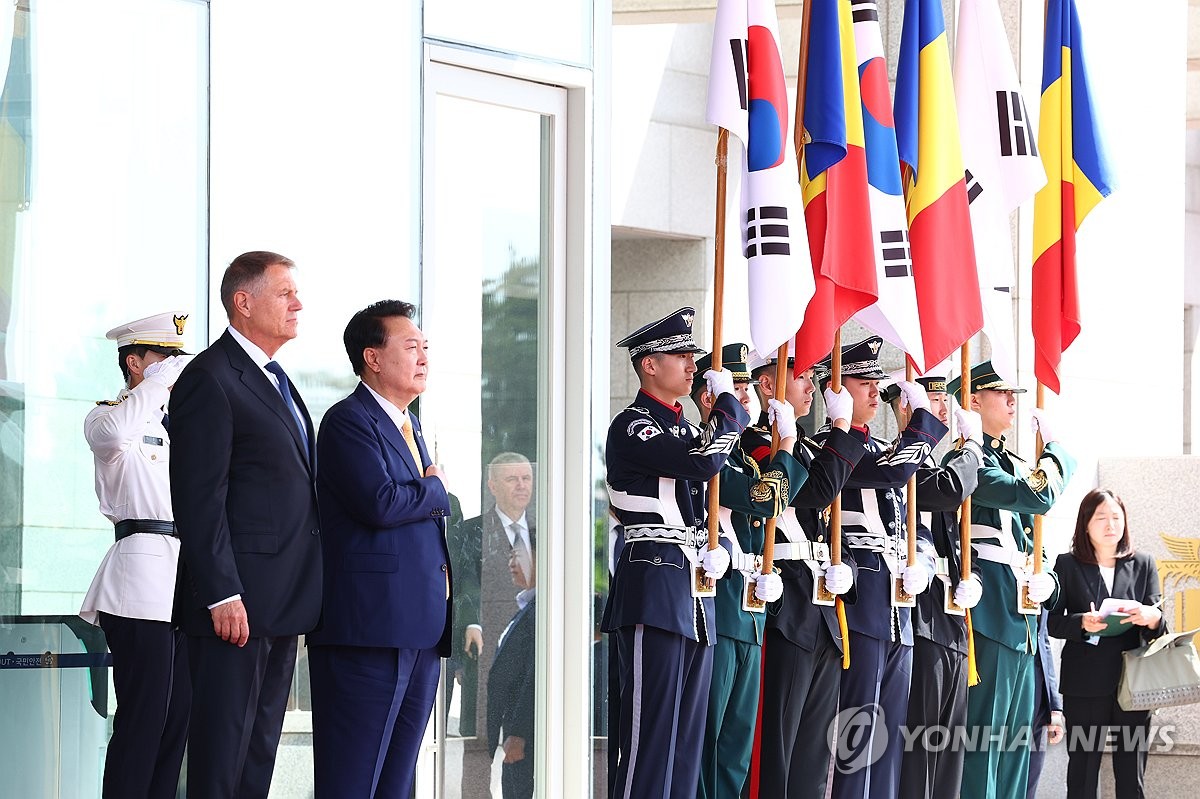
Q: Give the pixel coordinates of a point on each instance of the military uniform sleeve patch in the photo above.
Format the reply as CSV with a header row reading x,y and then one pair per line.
x,y
643,428
648,432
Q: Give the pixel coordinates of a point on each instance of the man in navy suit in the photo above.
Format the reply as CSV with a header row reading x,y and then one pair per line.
x,y
245,506
374,661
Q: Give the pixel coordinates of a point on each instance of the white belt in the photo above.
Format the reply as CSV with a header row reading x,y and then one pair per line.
x,y
746,562
683,536
1012,558
941,567
802,550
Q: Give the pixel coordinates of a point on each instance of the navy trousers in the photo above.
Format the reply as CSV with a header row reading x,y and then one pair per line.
x,y
239,695
937,703
874,705
664,698
154,695
370,709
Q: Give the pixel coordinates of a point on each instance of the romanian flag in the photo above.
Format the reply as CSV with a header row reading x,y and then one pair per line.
x,y
747,95
1079,178
833,178
894,316
939,220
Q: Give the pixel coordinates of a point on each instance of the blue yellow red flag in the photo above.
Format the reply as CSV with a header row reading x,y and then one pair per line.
x,y
833,178
1079,178
939,220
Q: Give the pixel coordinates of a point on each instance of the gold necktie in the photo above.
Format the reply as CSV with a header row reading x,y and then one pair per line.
x,y
407,431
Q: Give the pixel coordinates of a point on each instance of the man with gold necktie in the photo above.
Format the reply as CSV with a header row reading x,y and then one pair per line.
x,y
387,619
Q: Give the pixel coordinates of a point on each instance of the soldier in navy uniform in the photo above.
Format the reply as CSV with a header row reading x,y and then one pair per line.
x,y
749,494
874,689
132,594
1002,510
938,692
658,464
802,650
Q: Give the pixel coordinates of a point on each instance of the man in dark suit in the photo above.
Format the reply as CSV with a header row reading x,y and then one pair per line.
x,y
246,512
387,620
484,600
510,712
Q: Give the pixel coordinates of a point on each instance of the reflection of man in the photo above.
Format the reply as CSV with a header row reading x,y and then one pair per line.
x,y
374,661
510,711
485,602
246,509
133,592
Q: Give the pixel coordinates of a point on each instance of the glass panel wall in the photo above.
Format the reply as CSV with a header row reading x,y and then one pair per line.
x,y
103,160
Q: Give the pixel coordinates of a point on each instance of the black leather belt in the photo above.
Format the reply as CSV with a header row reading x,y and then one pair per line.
x,y
127,527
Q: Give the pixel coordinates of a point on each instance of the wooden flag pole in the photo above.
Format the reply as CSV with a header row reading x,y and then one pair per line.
x,y
964,520
912,489
1040,446
705,585
781,376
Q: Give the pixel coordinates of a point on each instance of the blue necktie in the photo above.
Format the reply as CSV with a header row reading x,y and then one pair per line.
x,y
285,390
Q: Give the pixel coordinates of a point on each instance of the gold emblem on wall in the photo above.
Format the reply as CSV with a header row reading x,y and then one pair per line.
x,y
1180,579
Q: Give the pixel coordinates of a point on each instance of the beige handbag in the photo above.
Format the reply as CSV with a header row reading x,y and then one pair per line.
x,y
1163,673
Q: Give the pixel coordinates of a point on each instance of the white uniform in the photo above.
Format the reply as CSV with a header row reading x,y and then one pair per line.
x,y
136,579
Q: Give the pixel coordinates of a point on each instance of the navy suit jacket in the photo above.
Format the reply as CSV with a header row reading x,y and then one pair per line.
x,y
244,497
384,541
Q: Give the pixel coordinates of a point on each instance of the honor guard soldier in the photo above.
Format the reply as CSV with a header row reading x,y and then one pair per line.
x,y
132,594
802,650
1005,624
874,522
658,463
749,494
938,691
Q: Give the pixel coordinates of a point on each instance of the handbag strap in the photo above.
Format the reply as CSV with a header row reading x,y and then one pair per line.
x,y
1170,639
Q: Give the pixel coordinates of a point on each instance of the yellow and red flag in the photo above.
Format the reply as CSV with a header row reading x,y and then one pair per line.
x,y
939,220
833,179
1079,178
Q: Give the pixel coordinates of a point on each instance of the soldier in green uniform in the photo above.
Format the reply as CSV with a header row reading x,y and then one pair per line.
x,y
1010,492
748,495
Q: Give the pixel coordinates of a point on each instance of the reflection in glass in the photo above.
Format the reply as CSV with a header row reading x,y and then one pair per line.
x,y
482,309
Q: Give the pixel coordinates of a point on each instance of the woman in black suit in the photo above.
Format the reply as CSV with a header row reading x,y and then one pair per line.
x,y
1102,564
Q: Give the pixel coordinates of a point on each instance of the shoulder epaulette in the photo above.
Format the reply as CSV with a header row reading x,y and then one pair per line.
x,y
809,442
109,402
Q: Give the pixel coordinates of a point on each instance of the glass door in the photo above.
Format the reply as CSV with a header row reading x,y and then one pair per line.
x,y
493,254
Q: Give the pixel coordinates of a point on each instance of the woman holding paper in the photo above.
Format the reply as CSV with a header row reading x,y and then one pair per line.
x,y
1108,603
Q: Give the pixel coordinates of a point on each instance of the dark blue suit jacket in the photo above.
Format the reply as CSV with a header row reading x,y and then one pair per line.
x,y
384,541
245,504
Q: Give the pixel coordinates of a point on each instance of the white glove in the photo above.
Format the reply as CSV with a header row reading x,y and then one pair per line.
x,y
838,578
767,587
1041,586
714,562
167,371
916,578
839,405
1041,424
968,592
783,415
912,395
970,427
720,381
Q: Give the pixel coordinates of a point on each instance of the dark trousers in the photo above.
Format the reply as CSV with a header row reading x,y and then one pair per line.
x,y
937,699
239,695
799,701
732,711
154,695
664,693
1089,719
874,705
370,709
1041,720
614,711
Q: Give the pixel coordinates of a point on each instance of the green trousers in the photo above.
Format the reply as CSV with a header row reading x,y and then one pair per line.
x,y
732,709
999,723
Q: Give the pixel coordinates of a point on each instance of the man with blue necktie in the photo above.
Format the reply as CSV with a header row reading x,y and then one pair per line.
x,y
245,509
374,661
